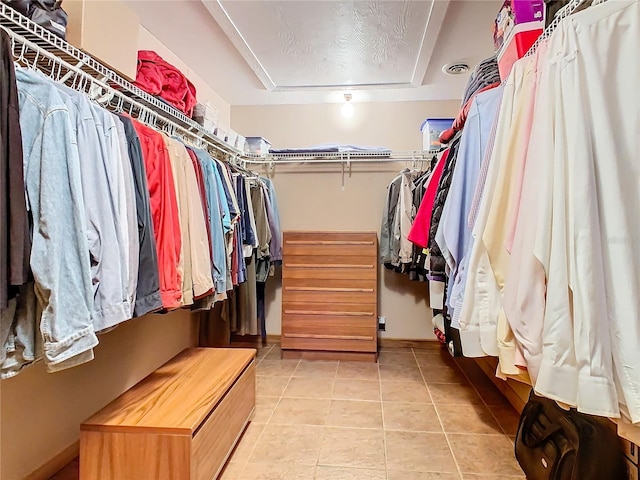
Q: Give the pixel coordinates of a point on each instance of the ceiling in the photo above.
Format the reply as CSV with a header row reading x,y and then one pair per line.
x,y
314,51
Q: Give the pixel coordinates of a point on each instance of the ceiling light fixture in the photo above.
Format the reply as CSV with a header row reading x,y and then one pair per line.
x,y
347,108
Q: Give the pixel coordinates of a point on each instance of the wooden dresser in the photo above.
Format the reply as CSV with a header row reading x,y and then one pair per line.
x,y
330,295
179,423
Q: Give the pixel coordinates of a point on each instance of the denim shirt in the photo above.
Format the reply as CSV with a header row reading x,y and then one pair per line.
x,y
60,253
216,219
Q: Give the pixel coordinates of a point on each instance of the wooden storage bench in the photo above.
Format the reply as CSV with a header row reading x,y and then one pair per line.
x,y
179,423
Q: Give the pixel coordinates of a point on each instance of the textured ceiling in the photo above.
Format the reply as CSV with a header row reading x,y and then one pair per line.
x,y
316,44
457,30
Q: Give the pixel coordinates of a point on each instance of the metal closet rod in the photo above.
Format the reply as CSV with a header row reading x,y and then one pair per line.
x,y
25,29
395,158
57,69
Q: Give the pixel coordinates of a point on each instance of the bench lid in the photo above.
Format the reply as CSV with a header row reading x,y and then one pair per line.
x,y
178,396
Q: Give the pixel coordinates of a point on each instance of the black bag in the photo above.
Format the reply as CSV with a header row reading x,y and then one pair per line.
x,y
555,444
46,13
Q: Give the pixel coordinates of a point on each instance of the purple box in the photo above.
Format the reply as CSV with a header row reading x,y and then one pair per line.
x,y
516,12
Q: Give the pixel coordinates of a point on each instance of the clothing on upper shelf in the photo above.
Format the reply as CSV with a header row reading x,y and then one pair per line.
x,y
126,221
538,228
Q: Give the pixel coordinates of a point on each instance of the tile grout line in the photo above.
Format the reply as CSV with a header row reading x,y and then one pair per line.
x,y
384,430
246,462
268,420
446,436
484,402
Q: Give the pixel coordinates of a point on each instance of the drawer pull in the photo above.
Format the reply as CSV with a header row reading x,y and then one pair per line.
x,y
327,242
328,289
338,314
328,265
329,337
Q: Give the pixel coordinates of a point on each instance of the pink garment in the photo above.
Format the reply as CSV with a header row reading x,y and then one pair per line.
x,y
157,77
419,233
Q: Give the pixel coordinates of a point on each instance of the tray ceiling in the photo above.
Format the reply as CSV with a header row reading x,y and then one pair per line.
x,y
301,45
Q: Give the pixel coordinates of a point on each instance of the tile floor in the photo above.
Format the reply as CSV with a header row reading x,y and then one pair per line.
x,y
416,415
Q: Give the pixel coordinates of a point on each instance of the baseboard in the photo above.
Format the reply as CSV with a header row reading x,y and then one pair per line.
x,y
405,343
55,464
252,341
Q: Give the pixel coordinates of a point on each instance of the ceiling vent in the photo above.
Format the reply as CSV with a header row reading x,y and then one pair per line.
x,y
455,68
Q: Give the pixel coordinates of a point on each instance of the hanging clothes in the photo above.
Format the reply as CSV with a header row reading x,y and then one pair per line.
x,y
14,226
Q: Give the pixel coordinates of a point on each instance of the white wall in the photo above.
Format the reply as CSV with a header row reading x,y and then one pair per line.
x,y
312,197
204,93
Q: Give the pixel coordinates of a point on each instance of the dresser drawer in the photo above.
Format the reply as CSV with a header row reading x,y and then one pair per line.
x,y
364,312
329,267
298,342
336,244
331,291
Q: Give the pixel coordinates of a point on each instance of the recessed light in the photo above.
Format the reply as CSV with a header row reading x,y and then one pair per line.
x,y
455,68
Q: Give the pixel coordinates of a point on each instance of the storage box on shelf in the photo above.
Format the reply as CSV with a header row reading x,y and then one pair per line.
x,y
526,14
431,129
518,25
180,422
257,145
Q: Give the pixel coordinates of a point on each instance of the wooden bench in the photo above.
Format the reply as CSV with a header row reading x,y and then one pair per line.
x,y
179,423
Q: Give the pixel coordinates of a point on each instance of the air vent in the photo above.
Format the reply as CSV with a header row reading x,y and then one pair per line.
x,y
455,68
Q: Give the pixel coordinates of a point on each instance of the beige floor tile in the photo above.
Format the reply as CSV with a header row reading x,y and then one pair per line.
x,y
395,358
434,359
274,354
400,373
276,368
358,370
349,447
245,446
410,417
486,454
350,413
508,419
468,419
278,471
491,395
453,394
232,471
418,452
434,347
271,386
291,444
404,475
443,374
405,392
395,349
303,387
264,408
473,476
341,473
301,411
315,369
353,389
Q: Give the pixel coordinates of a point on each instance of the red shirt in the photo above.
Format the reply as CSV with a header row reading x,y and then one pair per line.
x,y
164,212
419,233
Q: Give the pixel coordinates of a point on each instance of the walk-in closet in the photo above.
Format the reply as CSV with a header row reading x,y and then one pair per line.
x,y
319,240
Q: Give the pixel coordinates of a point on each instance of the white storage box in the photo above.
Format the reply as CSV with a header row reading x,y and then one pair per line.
x,y
221,132
257,145
240,143
431,129
232,138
